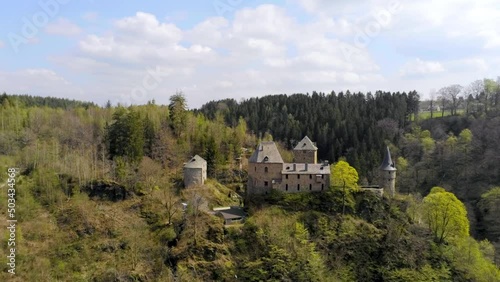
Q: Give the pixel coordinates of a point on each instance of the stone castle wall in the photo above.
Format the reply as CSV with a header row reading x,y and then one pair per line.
x,y
258,177
305,157
292,183
193,176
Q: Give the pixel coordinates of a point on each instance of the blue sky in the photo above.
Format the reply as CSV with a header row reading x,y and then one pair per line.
x,y
134,51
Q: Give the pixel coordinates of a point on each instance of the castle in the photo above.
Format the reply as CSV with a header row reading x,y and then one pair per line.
x,y
267,170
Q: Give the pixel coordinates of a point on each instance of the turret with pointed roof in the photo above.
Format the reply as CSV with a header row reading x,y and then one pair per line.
x,y
387,164
388,174
306,151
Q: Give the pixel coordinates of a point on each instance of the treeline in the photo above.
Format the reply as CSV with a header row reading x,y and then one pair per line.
x,y
37,101
111,142
343,125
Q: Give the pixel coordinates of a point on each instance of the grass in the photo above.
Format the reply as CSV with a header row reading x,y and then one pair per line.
x,y
437,114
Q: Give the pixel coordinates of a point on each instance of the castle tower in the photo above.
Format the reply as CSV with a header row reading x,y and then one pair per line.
x,y
306,152
388,174
264,169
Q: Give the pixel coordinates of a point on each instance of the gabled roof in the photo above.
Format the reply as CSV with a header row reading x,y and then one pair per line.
x,y
306,144
266,152
195,162
388,164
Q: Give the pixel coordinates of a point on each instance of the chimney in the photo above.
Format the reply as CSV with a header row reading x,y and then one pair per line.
x,y
294,167
306,166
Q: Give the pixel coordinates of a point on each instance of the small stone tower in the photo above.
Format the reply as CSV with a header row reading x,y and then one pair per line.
x,y
388,174
195,171
306,152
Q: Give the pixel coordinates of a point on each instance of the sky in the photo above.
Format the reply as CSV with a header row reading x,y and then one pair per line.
x,y
131,52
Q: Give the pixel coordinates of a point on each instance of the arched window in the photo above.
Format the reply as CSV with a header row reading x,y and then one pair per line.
x,y
266,169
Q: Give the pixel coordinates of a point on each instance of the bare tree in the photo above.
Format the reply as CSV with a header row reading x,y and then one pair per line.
x,y
171,203
432,96
451,93
196,202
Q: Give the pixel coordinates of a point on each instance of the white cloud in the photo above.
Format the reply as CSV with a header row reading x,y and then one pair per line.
x,y
63,27
469,65
268,49
420,67
492,38
243,57
40,81
90,16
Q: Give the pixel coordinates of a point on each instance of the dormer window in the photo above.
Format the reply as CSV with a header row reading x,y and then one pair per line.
x,y
266,159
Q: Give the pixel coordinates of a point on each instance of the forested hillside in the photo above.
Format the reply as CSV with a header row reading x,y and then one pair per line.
x,y
99,192
354,126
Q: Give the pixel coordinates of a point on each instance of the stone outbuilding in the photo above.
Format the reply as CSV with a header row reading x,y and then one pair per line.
x,y
195,171
230,215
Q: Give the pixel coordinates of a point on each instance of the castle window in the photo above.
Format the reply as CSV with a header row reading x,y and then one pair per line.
x,y
298,176
322,176
266,183
298,187
310,187
286,187
286,176
266,170
322,187
255,168
310,176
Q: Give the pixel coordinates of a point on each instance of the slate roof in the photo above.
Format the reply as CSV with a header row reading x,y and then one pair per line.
x,y
230,212
266,152
306,145
195,162
288,168
388,164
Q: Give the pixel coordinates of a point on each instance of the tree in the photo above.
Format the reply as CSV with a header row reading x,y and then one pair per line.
x,y
342,173
125,136
451,93
169,201
432,96
491,92
489,206
212,156
445,215
178,112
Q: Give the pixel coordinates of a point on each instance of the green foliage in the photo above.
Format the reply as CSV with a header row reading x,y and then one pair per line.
x,y
178,113
342,124
344,174
66,235
472,260
424,274
125,136
445,215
